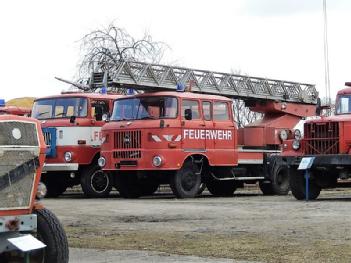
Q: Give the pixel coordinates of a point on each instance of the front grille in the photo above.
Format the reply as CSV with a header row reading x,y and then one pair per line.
x,y
18,133
127,154
17,174
321,138
127,140
19,161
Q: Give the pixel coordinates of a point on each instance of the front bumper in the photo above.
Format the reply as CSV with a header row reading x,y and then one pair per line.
x,y
320,160
54,167
26,223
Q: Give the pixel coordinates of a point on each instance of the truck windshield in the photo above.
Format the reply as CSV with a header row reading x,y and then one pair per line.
x,y
145,108
59,108
343,105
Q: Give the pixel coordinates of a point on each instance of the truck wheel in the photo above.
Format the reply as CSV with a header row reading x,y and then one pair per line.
x,y
298,186
95,183
128,185
52,234
280,184
185,183
221,188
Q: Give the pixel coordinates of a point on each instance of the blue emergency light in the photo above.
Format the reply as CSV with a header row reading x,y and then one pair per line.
x,y
180,87
130,91
103,90
2,102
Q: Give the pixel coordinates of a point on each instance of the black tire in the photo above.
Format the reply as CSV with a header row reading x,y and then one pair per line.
x,y
221,188
52,234
298,186
266,187
95,183
128,185
280,184
185,183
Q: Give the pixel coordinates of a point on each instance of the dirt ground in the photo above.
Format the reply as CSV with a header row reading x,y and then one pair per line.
x,y
248,226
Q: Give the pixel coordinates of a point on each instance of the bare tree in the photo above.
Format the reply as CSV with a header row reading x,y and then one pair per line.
x,y
102,49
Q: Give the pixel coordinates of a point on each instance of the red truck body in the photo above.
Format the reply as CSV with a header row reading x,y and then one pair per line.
x,y
72,129
327,140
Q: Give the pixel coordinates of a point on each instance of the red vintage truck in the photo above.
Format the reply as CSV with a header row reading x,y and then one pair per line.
x,y
22,217
188,138
328,141
71,125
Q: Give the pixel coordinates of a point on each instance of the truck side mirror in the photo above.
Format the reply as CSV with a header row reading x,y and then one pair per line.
x,y
72,119
188,114
98,113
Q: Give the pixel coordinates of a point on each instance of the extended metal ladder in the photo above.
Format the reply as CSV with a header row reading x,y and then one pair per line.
x,y
155,77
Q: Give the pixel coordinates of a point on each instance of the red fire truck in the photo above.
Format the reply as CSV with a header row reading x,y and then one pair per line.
x,y
72,129
328,141
23,220
186,138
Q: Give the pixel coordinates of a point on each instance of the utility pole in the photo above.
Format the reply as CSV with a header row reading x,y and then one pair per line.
x,y
326,55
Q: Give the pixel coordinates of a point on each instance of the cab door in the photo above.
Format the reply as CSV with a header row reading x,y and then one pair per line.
x,y
193,126
224,134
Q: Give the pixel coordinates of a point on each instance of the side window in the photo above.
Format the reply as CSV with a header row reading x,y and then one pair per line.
x,y
98,109
220,111
193,106
206,109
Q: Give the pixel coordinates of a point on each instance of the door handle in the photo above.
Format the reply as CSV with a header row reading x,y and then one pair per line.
x,y
202,125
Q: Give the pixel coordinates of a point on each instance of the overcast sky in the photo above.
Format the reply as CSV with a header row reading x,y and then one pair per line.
x,y
280,39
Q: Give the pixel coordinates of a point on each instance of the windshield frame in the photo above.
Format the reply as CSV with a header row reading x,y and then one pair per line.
x,y
145,97
87,104
338,104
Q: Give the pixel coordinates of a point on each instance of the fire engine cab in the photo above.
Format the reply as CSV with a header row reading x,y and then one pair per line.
x,y
72,130
188,138
328,141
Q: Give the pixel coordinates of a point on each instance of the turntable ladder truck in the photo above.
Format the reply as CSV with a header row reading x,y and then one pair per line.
x,y
187,138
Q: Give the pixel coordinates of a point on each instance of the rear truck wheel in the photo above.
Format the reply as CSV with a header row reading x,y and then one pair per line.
x,y
95,182
185,183
298,186
280,184
52,234
128,185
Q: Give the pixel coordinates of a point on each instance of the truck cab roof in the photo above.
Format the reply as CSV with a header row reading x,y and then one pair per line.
x,y
84,95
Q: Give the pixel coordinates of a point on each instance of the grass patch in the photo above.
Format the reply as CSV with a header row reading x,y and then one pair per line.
x,y
240,246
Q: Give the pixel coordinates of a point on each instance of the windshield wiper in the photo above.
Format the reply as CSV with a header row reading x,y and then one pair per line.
x,y
60,114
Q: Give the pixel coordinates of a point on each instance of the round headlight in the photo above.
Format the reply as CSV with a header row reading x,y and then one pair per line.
x,y
296,145
41,191
283,135
68,156
157,161
102,162
297,134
